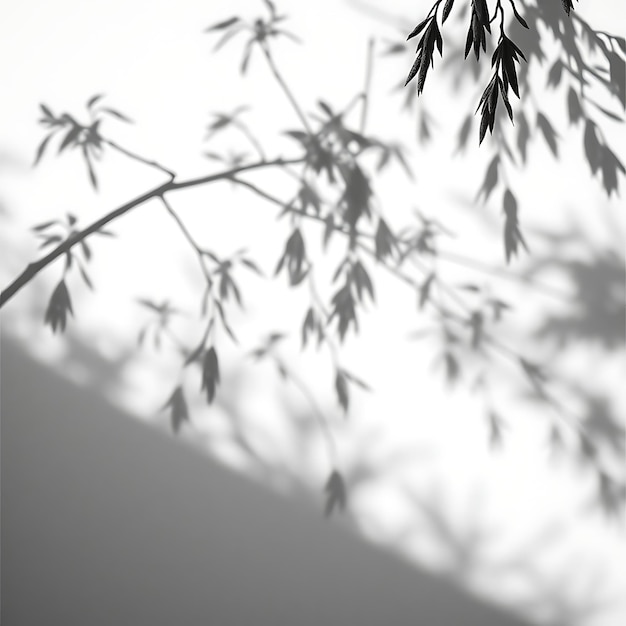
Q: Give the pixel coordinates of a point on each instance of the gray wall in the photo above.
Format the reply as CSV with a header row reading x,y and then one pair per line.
x,y
106,522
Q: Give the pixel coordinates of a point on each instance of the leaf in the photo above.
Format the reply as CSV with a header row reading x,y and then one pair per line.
x,y
414,69
59,306
41,149
593,148
463,133
336,493
344,309
518,17
452,367
251,265
362,281
329,229
48,241
272,9
610,166
419,28
424,291
357,381
549,134
574,109
523,134
70,137
94,99
512,233
447,7
491,178
178,405
294,258
227,328
210,373
324,106
341,387
246,58
384,240
115,113
222,25
46,111
555,73
476,324
534,374
44,225
85,276
86,249
308,325
90,170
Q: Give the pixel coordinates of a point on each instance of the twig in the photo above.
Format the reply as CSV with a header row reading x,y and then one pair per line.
x,y
286,89
368,81
136,157
192,242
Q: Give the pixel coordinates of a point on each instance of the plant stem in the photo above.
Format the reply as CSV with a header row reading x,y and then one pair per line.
x,y
286,89
136,157
368,81
190,240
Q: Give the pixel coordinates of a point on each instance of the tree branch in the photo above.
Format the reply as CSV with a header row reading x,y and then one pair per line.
x,y
34,268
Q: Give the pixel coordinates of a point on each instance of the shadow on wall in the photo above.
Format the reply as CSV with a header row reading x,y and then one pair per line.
x,y
107,522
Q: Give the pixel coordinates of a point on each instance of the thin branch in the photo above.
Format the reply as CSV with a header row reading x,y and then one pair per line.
x,y
286,89
136,157
32,269
368,81
192,242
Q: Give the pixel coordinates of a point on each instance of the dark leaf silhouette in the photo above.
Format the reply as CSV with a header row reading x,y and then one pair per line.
x,y
384,240
424,291
293,258
425,49
574,109
447,7
222,25
344,308
362,280
555,73
479,24
179,412
548,132
476,323
523,135
491,178
452,368
568,5
341,387
512,233
210,373
309,325
59,306
336,493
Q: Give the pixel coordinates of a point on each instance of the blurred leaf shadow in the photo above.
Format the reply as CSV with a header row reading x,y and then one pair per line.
x,y
471,550
598,280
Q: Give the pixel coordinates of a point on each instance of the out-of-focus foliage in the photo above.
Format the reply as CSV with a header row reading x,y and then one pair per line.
x,y
335,199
